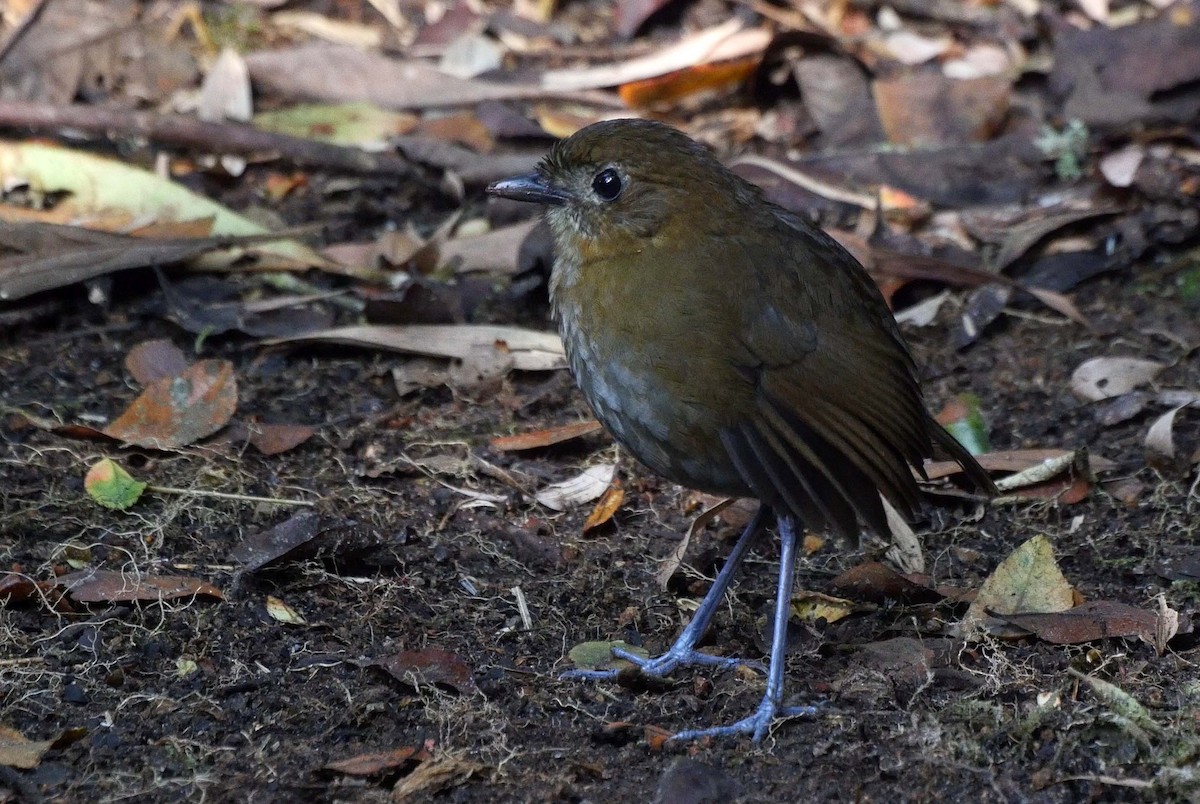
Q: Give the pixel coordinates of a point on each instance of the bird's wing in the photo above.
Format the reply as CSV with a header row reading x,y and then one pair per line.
x,y
838,414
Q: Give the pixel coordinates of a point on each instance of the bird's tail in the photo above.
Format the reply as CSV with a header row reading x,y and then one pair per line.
x,y
979,476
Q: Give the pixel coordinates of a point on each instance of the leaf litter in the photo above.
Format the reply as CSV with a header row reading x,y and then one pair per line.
x,y
1003,179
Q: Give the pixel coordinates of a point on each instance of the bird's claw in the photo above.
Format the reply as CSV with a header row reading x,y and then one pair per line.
x,y
664,665
756,725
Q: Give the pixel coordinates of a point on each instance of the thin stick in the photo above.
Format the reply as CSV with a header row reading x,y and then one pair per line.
x,y
224,496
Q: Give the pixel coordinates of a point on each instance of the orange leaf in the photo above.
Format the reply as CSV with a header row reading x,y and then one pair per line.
x,y
610,502
671,87
544,438
176,411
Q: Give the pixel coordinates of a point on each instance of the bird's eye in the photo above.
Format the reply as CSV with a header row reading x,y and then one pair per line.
x,y
607,184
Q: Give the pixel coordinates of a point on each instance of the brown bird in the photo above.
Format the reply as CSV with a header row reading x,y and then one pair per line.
x,y
732,347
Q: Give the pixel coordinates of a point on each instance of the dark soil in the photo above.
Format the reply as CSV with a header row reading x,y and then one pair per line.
x,y
215,700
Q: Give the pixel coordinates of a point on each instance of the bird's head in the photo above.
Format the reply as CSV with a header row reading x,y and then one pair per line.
x,y
616,182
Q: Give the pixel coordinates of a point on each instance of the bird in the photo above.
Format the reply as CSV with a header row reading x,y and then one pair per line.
x,y
732,347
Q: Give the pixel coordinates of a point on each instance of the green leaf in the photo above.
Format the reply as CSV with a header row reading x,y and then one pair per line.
x,y
598,655
969,428
111,486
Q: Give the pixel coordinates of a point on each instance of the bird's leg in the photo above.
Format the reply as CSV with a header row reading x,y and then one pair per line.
x,y
771,707
684,652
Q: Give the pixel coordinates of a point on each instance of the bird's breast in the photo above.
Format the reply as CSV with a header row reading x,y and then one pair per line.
x,y
657,385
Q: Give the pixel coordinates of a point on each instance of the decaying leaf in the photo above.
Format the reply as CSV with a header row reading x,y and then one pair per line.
x,y
1107,377
530,350
153,360
18,751
377,762
813,606
106,586
260,549
1089,621
538,439
1027,581
876,582
599,655
588,485
281,612
1160,441
610,502
429,666
174,412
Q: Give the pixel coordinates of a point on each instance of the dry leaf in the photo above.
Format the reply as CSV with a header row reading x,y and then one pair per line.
x,y
174,412
720,43
429,666
610,503
1027,581
1107,377
378,762
154,360
283,613
105,586
1087,622
530,350
583,488
538,439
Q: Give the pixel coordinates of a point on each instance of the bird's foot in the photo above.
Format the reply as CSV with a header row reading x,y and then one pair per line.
x,y
664,665
756,725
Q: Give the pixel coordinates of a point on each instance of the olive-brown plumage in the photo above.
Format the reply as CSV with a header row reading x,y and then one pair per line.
x,y
729,344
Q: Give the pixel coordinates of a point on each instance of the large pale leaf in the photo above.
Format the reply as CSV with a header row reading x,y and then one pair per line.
x,y
98,186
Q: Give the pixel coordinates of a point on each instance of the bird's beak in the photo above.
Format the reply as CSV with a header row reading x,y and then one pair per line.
x,y
530,187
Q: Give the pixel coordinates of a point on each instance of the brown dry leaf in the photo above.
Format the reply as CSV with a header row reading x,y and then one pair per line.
x,y
926,108
610,502
66,255
588,485
17,587
150,361
429,666
531,350
262,548
674,87
723,42
1066,478
495,251
905,548
1087,622
419,373
1017,461
537,439
814,606
174,412
282,612
379,762
911,48
876,582
106,586
480,374
1118,77
838,98
434,776
1108,377
464,128
1160,441
18,751
1028,581
350,74
272,439
672,562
